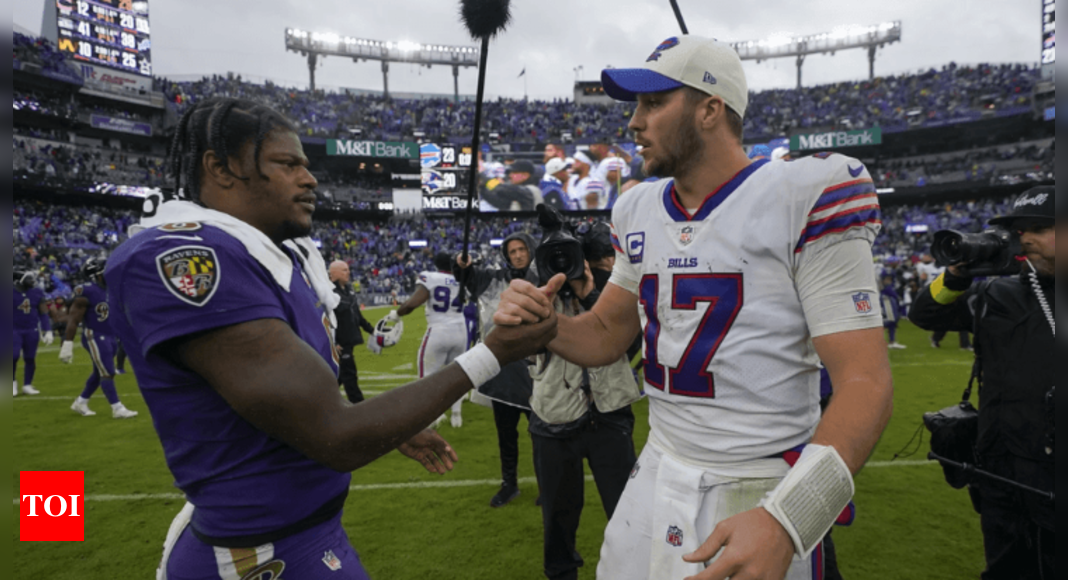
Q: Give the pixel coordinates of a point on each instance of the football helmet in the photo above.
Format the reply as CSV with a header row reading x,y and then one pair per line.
x,y
94,267
25,278
388,333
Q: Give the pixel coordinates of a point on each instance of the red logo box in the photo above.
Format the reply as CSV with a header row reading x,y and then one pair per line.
x,y
51,506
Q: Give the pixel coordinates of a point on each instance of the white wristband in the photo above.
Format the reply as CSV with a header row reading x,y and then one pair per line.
x,y
480,364
808,500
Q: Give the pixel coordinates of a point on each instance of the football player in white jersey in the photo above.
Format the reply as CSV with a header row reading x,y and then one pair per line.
x,y
446,328
741,276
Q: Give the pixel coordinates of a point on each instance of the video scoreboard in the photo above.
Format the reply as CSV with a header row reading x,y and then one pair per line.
x,y
109,33
444,172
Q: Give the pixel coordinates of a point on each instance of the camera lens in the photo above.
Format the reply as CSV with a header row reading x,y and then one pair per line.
x,y
559,262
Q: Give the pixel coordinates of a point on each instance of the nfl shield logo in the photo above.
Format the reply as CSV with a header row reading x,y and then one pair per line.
x,y
331,561
674,536
686,235
191,273
862,301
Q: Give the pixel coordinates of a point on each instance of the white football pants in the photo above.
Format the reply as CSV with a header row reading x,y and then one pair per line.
x,y
670,508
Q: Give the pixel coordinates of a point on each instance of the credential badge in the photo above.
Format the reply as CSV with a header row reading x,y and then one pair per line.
x,y
190,272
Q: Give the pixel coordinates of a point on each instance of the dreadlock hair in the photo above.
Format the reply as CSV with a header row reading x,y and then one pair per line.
x,y
222,125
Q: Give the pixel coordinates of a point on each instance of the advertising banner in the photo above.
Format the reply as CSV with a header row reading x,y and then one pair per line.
x,y
836,139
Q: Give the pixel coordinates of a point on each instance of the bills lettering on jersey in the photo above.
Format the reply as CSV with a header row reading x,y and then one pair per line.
x,y
682,262
862,302
190,273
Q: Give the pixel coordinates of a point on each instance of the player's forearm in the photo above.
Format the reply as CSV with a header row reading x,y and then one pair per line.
x,y
46,322
377,426
854,421
74,318
585,341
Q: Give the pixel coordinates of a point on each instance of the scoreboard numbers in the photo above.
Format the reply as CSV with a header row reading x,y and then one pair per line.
x,y
110,33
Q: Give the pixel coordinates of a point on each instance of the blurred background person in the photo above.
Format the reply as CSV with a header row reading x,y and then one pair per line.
x,y
350,322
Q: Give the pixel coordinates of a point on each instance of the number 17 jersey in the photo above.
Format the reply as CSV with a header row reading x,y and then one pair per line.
x,y
730,295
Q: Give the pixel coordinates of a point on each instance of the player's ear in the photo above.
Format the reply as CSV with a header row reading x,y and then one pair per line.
x,y
216,172
713,111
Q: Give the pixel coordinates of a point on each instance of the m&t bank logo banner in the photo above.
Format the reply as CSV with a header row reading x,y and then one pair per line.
x,y
837,139
376,149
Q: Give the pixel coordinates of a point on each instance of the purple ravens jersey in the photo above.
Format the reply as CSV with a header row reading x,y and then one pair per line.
x,y
168,283
28,309
98,313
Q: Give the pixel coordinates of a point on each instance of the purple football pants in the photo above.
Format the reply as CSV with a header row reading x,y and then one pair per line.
x,y
320,553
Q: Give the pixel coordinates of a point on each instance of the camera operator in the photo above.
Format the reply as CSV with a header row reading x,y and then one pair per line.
x,y
1014,330
578,413
511,389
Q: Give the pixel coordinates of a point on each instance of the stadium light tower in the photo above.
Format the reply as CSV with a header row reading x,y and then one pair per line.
x,y
313,45
841,38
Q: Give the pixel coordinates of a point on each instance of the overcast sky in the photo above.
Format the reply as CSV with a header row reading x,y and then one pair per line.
x,y
550,38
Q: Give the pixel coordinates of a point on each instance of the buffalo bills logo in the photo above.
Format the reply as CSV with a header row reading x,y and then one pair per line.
x,y
674,536
667,44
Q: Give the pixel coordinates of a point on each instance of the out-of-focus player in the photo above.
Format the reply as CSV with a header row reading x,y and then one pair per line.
x,y
224,306
90,305
31,326
742,275
446,327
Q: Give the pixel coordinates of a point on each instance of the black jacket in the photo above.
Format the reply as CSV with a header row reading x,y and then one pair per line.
x,y
1018,356
349,318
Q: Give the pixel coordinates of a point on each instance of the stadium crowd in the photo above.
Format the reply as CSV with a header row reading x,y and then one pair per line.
x,y
936,96
56,239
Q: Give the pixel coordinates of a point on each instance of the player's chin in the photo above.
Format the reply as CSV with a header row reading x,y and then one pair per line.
x,y
297,227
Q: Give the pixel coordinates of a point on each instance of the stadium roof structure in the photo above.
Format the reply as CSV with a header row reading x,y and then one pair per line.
x,y
841,38
313,45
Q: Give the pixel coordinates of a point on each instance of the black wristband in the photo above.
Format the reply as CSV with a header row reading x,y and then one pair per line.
x,y
590,299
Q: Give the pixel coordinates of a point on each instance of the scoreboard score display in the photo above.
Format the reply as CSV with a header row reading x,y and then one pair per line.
x,y
109,33
443,168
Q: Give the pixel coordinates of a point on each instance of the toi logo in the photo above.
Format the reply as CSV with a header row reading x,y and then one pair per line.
x,y
51,506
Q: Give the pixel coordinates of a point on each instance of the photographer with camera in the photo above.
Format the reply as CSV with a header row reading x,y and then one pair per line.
x,y
1012,318
578,413
510,390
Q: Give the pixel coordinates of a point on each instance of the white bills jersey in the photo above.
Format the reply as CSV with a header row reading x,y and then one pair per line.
x,y
444,306
732,292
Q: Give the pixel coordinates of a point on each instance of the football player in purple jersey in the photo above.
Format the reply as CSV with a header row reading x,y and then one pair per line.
x,y
31,325
90,306
225,315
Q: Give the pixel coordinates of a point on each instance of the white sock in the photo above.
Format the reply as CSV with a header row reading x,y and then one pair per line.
x,y
81,400
117,406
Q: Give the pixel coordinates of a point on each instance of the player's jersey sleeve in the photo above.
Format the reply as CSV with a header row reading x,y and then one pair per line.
x,y
629,245
174,286
840,219
425,281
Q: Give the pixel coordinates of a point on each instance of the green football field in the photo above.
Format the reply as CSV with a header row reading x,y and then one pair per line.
x,y
408,524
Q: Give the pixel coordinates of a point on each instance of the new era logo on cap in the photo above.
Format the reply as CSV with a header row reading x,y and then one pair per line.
x,y
709,78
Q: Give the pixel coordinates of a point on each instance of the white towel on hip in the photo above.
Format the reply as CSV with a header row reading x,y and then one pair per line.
x,y
259,246
677,503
